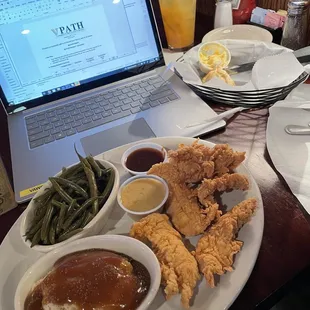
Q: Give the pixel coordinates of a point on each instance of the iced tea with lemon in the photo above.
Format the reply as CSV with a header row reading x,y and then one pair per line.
x,y
179,22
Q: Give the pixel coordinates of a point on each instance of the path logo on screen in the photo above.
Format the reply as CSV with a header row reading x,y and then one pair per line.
x,y
63,30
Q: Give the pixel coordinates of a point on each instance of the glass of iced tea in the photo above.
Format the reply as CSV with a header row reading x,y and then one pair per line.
x,y
179,22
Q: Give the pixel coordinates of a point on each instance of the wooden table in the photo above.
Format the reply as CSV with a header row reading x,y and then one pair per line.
x,y
285,250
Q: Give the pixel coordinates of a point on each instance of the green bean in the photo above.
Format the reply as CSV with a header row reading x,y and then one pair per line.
x,y
82,199
34,228
69,172
88,218
94,165
67,198
78,223
82,182
100,165
93,188
71,185
78,212
72,205
106,171
46,222
107,189
39,212
36,239
68,235
70,192
52,231
83,160
57,203
48,192
77,176
61,218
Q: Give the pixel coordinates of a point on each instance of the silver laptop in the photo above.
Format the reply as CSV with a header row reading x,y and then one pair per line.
x,y
85,72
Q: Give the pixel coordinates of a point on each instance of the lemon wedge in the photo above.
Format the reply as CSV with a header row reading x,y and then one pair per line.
x,y
213,55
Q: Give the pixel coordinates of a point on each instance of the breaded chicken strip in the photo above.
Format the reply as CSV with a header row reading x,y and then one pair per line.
x,y
192,162
197,161
226,182
178,266
225,159
183,206
216,249
192,211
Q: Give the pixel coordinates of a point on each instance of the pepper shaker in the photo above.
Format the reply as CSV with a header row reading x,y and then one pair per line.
x,y
295,28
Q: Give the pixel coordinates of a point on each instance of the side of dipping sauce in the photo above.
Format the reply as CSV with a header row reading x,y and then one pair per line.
x,y
143,194
143,159
91,279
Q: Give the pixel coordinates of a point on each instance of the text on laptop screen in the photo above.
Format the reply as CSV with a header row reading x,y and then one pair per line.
x,y
52,45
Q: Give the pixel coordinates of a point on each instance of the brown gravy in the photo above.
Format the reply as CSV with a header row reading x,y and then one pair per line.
x,y
142,160
92,279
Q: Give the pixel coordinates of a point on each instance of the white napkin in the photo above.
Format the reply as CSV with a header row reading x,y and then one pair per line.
x,y
276,71
270,71
291,154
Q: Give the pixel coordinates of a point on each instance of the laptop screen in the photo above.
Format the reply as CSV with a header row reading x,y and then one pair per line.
x,y
50,46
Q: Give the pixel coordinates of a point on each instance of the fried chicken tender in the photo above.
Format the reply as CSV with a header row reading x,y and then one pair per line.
x,y
192,162
197,161
225,159
192,211
216,249
221,184
182,205
178,266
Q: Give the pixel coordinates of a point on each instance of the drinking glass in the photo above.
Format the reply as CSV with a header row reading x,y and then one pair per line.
x,y
179,22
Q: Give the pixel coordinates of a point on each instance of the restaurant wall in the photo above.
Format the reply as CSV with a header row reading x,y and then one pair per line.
x,y
205,16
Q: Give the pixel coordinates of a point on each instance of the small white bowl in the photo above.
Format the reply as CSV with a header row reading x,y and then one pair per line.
x,y
92,228
146,145
238,32
121,244
139,215
203,67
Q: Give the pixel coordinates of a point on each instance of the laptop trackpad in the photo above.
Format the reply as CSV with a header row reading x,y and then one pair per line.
x,y
117,136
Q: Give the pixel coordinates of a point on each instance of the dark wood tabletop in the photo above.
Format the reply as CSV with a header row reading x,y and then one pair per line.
x,y
285,249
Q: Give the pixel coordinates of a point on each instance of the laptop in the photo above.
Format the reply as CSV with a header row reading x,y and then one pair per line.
x,y
89,73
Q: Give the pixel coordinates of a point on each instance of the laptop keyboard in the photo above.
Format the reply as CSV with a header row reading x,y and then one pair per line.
x,y
72,118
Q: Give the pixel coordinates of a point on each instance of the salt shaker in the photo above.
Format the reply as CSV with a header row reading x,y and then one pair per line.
x,y
223,14
295,28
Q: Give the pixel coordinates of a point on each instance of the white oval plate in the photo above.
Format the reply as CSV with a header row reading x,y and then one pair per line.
x,y
16,258
238,32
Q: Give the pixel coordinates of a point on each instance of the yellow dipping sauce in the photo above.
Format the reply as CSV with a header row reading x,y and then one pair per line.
x,y
143,195
214,55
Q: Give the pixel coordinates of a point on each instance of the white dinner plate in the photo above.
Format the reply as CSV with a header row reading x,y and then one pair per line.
x,y
238,32
16,258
